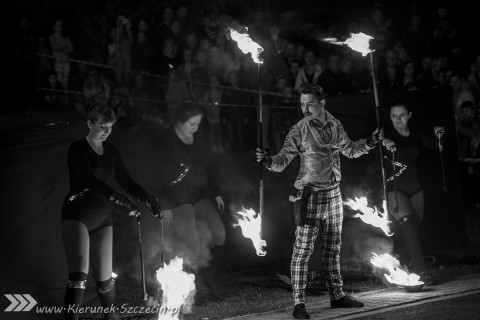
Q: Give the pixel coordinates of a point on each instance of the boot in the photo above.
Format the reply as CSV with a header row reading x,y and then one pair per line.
x,y
76,284
106,293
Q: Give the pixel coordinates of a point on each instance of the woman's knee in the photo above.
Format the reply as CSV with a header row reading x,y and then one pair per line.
x,y
399,205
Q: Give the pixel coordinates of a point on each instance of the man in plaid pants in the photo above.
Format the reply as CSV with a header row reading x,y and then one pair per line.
x,y
318,139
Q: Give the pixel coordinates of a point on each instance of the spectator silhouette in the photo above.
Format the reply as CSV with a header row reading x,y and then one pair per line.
x,y
212,101
389,73
177,94
53,97
235,117
309,73
61,50
200,76
333,80
120,49
142,53
415,41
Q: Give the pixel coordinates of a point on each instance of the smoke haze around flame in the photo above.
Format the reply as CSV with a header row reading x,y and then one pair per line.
x,y
360,239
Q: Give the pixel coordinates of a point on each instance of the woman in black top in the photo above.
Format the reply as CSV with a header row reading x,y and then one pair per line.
x,y
405,191
87,209
192,199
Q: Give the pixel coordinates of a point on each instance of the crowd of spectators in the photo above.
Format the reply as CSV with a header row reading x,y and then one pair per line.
x,y
153,66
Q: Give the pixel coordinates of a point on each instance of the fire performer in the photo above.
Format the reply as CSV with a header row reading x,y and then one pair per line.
x,y
192,199
318,139
87,209
405,191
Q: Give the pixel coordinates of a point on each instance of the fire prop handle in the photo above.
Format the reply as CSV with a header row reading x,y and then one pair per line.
x,y
142,262
377,114
260,142
440,149
360,42
394,167
248,46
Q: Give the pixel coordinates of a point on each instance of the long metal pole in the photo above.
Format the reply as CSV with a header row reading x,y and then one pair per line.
x,y
440,149
142,263
260,142
377,114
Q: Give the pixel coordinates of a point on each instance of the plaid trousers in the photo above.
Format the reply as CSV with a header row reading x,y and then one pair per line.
x,y
327,207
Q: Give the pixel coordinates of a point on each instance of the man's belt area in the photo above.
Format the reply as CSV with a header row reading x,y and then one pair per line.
x,y
300,204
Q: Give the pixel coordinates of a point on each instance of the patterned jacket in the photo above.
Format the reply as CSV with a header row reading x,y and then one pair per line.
x,y
319,147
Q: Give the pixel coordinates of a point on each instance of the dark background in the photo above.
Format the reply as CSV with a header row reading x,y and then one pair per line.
x,y
34,179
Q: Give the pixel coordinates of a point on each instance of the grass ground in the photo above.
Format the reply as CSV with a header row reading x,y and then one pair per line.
x,y
247,292
259,289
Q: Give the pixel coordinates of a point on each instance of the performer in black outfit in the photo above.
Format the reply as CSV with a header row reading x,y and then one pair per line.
x,y
405,191
87,209
191,197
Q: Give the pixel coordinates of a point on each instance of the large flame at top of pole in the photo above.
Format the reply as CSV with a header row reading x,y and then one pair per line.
x,y
359,42
396,275
178,289
370,215
247,45
251,224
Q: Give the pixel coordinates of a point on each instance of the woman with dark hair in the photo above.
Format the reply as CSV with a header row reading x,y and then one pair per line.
x,y
192,196
87,210
405,191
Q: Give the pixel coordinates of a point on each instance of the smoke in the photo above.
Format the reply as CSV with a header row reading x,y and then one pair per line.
x,y
360,240
190,236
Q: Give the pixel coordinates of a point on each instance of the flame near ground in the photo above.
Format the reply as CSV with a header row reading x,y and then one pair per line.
x,y
178,289
396,273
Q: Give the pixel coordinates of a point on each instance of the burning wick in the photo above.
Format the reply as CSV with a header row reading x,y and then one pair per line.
x,y
370,215
396,274
178,288
251,224
359,42
247,45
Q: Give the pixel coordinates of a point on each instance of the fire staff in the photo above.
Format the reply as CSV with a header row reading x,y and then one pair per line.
x,y
87,210
318,139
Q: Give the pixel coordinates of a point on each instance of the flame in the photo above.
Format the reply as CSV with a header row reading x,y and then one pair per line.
x,y
370,216
251,224
396,275
359,42
247,45
178,289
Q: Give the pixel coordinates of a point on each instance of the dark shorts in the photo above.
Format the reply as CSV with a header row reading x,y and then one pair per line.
x,y
409,191
94,221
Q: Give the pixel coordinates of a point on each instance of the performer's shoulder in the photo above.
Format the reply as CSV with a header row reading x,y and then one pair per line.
x,y
299,123
78,144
